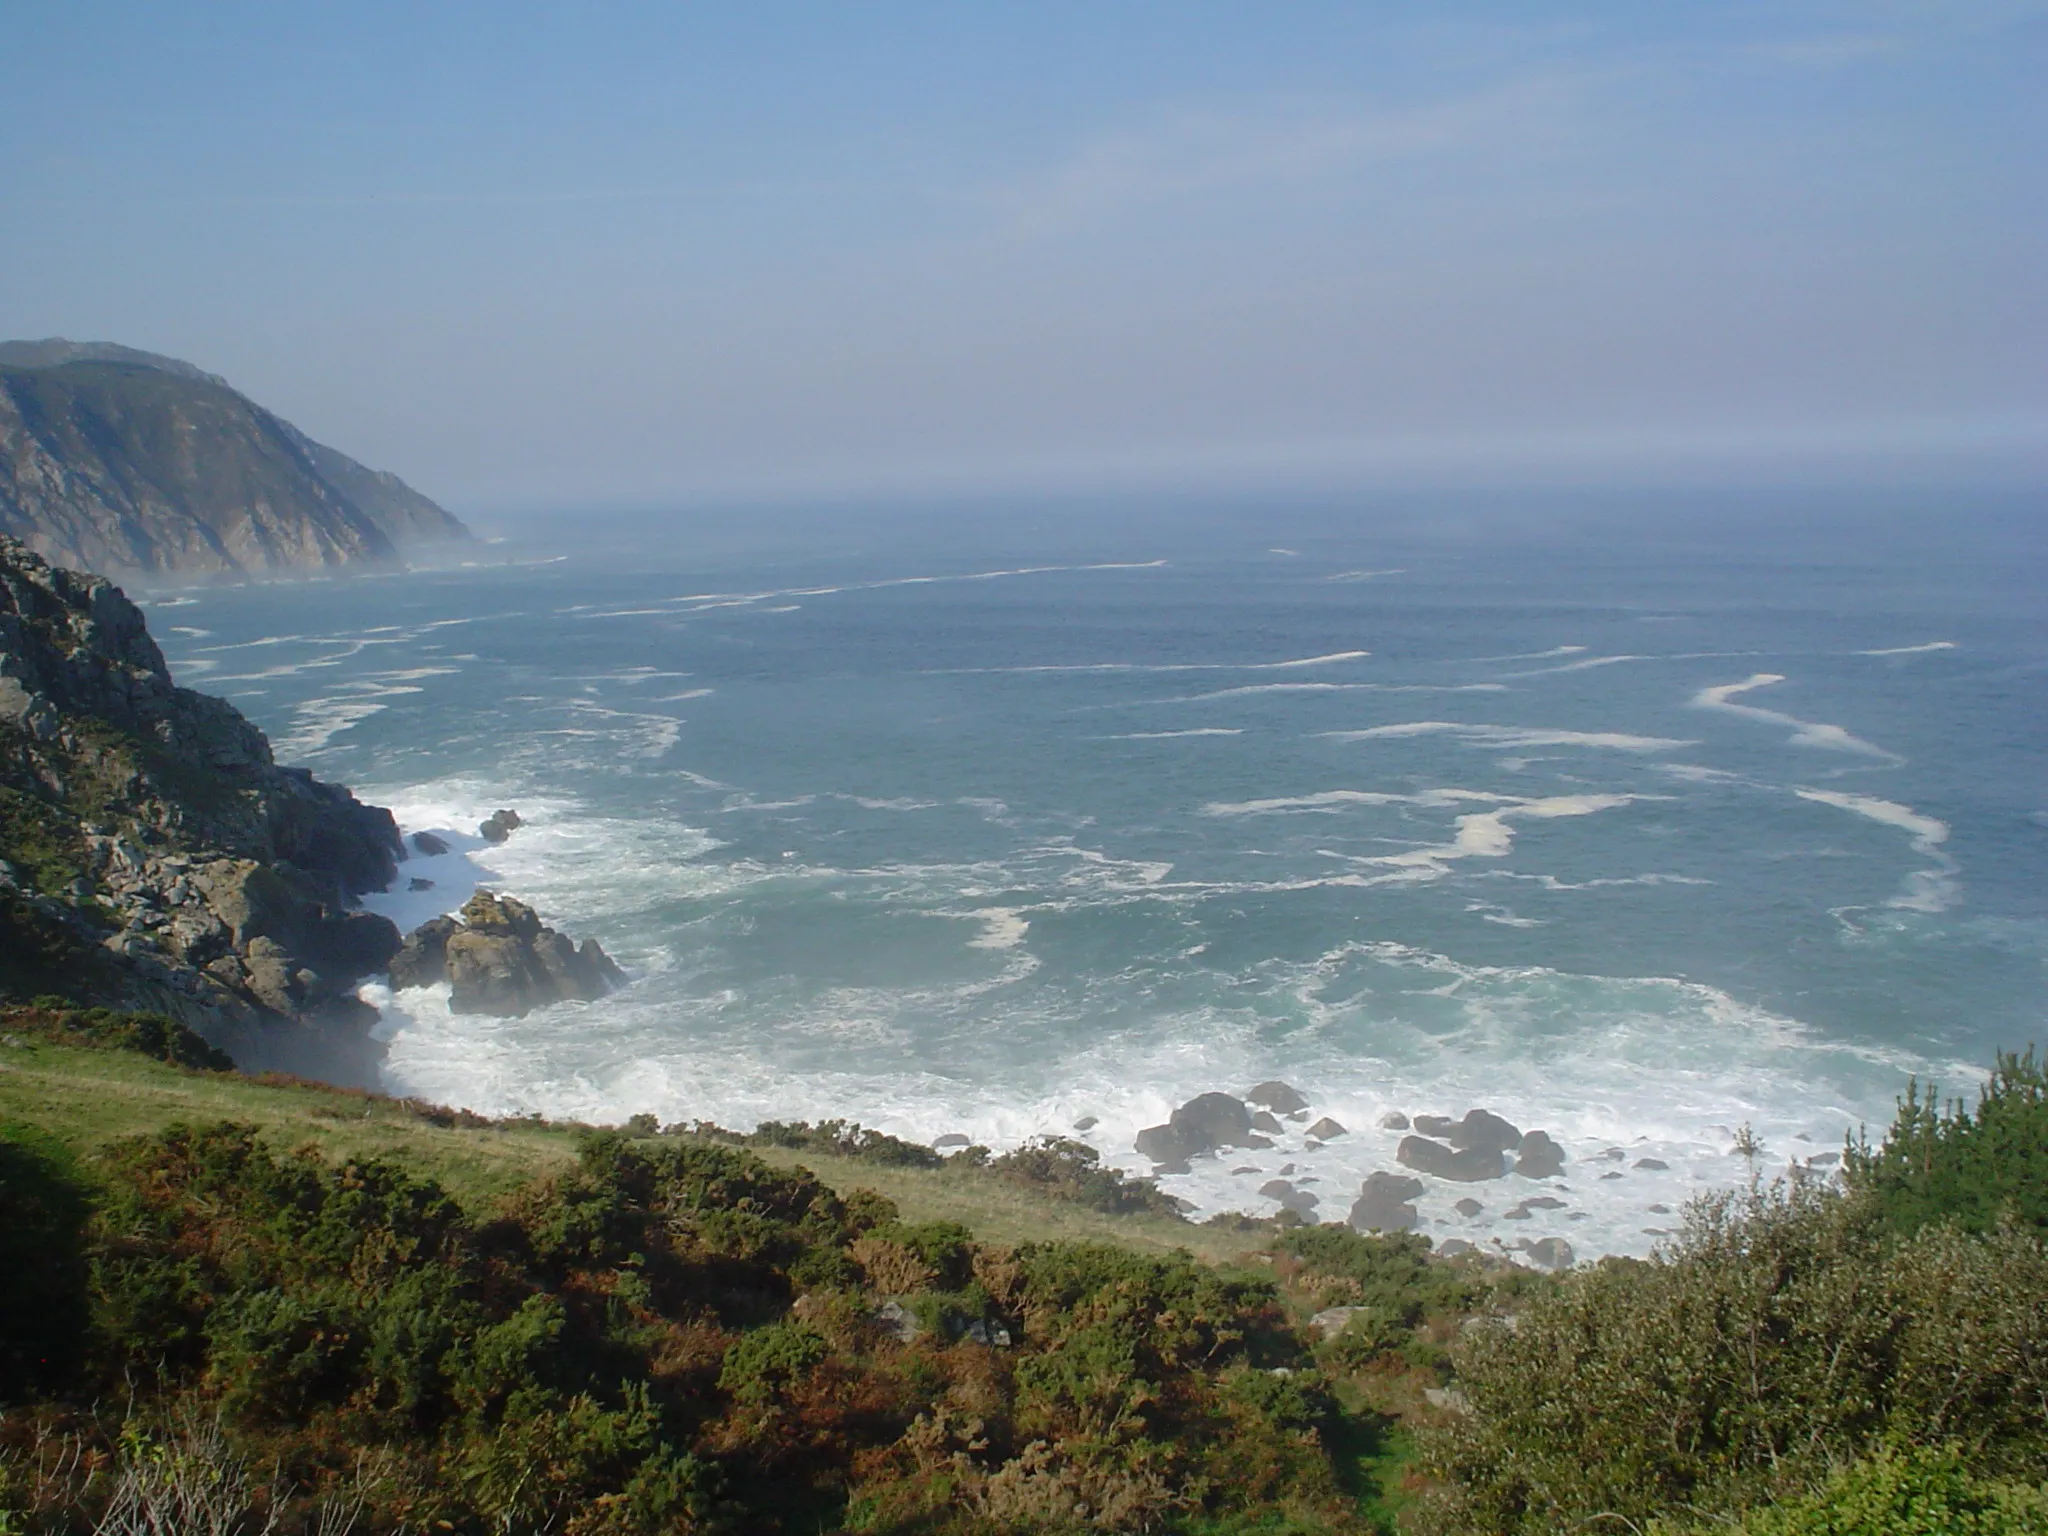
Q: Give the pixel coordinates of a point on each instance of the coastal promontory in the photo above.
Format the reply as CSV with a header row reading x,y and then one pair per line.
x,y
118,460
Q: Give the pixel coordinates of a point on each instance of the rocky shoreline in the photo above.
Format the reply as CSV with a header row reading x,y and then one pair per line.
x,y
1473,1149
155,856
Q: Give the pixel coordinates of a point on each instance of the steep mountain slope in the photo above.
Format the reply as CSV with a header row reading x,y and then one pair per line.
x,y
120,460
151,852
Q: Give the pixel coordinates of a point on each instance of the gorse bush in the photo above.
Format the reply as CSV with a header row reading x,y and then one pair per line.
x,y
1073,1170
671,1337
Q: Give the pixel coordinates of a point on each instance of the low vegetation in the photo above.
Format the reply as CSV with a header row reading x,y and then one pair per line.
x,y
240,1306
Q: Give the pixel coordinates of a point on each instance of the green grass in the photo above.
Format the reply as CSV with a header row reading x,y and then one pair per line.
x,y
86,1098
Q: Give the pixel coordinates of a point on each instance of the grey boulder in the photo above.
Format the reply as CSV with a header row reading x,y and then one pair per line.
x,y
1384,1204
1439,1161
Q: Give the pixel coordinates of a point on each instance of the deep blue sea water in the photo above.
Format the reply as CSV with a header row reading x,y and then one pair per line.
x,y
1636,821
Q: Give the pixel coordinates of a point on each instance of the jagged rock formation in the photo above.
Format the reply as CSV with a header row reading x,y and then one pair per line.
x,y
152,855
499,959
117,460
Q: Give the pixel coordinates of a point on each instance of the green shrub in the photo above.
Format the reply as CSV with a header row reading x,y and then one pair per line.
x,y
1915,1492
1072,1170
772,1359
1784,1332
1953,1164
843,1138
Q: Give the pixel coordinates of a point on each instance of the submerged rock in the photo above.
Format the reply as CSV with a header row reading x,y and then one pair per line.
x,y
1393,1120
428,844
499,825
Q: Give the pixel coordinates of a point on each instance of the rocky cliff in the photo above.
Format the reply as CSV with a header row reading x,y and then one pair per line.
x,y
119,460
152,855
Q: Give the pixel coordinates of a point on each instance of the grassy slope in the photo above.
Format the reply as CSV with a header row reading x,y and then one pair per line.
x,y
86,1098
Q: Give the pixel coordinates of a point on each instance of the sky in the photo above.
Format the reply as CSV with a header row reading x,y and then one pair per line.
x,y
589,255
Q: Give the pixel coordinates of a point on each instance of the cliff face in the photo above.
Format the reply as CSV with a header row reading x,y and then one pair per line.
x,y
118,460
152,855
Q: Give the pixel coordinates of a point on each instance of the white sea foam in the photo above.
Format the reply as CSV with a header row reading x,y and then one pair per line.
x,y
1661,1069
1555,650
1926,890
1247,689
1367,575
1912,650
1204,730
1488,834
1585,664
1331,659
1805,733
1513,736
1332,800
1002,928
697,601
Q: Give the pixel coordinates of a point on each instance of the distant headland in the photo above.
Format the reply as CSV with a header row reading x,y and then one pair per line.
x,y
126,462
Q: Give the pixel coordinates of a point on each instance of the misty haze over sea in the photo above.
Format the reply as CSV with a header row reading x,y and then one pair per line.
x,y
1635,819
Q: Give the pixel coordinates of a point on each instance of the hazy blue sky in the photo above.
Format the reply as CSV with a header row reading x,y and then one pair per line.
x,y
628,253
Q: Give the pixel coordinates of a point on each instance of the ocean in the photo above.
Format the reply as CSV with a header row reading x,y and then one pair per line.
x,y
1637,820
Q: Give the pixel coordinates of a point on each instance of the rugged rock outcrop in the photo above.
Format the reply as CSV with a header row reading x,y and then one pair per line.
x,y
1205,1124
498,958
152,854
1384,1204
499,825
119,460
1281,1098
1539,1157
1468,1165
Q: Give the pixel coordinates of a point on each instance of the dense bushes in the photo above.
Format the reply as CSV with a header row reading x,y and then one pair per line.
x,y
673,1337
1925,1491
148,1034
1073,1170
1953,1164
1787,1333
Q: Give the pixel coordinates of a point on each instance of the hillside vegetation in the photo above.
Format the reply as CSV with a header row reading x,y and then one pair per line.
x,y
230,1304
